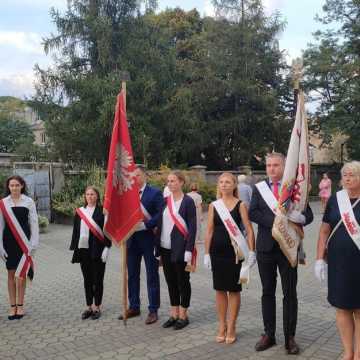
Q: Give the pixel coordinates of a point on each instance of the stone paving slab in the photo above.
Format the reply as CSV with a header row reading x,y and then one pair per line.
x,y
52,328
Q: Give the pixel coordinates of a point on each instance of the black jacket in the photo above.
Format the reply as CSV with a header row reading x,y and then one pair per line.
x,y
179,244
96,246
260,213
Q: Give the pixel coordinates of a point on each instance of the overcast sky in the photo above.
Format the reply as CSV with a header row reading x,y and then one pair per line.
x,y
23,23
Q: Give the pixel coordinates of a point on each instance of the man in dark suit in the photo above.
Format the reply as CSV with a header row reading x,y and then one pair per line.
x,y
270,257
142,244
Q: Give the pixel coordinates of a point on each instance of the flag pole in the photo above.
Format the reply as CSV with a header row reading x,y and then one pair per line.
x,y
123,247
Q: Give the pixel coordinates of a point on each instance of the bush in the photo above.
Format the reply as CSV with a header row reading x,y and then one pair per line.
x,y
43,222
71,196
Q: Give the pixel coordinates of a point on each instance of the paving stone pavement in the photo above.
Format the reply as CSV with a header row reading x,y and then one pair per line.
x,y
52,328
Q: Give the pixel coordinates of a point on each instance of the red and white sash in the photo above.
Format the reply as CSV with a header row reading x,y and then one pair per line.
x,y
26,261
348,216
180,224
176,218
91,224
267,195
231,227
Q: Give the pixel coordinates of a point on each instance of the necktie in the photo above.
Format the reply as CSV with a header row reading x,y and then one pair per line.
x,y
276,190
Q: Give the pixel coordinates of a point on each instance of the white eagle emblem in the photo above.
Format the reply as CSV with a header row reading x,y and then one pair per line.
x,y
123,179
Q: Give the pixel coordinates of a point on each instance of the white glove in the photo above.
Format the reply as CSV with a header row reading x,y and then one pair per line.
x,y
105,254
207,261
32,250
252,259
187,256
297,217
321,269
141,226
3,253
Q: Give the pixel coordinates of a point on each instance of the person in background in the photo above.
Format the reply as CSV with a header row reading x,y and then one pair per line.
x,y
198,203
338,245
244,190
325,190
91,250
175,244
222,259
18,211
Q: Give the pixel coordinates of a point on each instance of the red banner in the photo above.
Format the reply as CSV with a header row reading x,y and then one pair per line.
x,y
122,199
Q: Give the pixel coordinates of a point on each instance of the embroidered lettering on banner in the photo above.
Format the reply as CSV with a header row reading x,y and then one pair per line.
x,y
231,227
290,242
350,224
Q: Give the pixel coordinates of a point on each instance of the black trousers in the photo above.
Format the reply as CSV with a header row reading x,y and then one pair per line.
x,y
268,263
177,279
93,271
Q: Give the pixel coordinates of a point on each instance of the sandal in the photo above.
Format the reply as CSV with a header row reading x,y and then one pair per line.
x,y
19,316
14,316
221,338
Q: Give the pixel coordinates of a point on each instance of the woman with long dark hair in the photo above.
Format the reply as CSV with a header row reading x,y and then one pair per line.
x,y
19,238
91,249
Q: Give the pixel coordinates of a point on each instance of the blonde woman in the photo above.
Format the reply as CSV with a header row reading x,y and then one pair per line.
x,y
221,257
338,234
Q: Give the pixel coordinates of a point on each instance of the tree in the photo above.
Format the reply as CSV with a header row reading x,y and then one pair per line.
x,y
13,133
332,72
248,106
208,91
77,96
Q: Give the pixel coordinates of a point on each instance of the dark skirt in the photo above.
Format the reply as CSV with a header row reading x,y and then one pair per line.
x,y
11,246
226,274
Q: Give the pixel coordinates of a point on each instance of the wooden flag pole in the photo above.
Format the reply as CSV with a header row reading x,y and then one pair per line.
x,y
123,247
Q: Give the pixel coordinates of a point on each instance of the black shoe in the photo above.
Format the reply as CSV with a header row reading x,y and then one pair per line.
x,y
12,317
169,322
96,315
265,343
19,316
181,323
86,314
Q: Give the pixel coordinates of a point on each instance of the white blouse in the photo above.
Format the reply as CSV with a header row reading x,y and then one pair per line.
x,y
28,202
84,229
167,226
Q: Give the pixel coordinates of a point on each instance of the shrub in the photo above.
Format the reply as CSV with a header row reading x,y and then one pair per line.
x,y
71,196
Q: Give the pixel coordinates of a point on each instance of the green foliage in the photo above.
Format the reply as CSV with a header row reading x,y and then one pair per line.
x,y
199,86
72,194
332,72
43,222
3,177
13,133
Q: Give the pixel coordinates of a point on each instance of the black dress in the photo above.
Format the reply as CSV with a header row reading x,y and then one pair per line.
x,y
225,271
343,261
11,246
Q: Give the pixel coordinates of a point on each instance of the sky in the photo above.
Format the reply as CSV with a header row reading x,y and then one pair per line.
x,y
23,24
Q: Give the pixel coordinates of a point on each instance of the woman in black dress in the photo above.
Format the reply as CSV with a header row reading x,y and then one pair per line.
x,y
343,259
91,252
220,252
24,210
